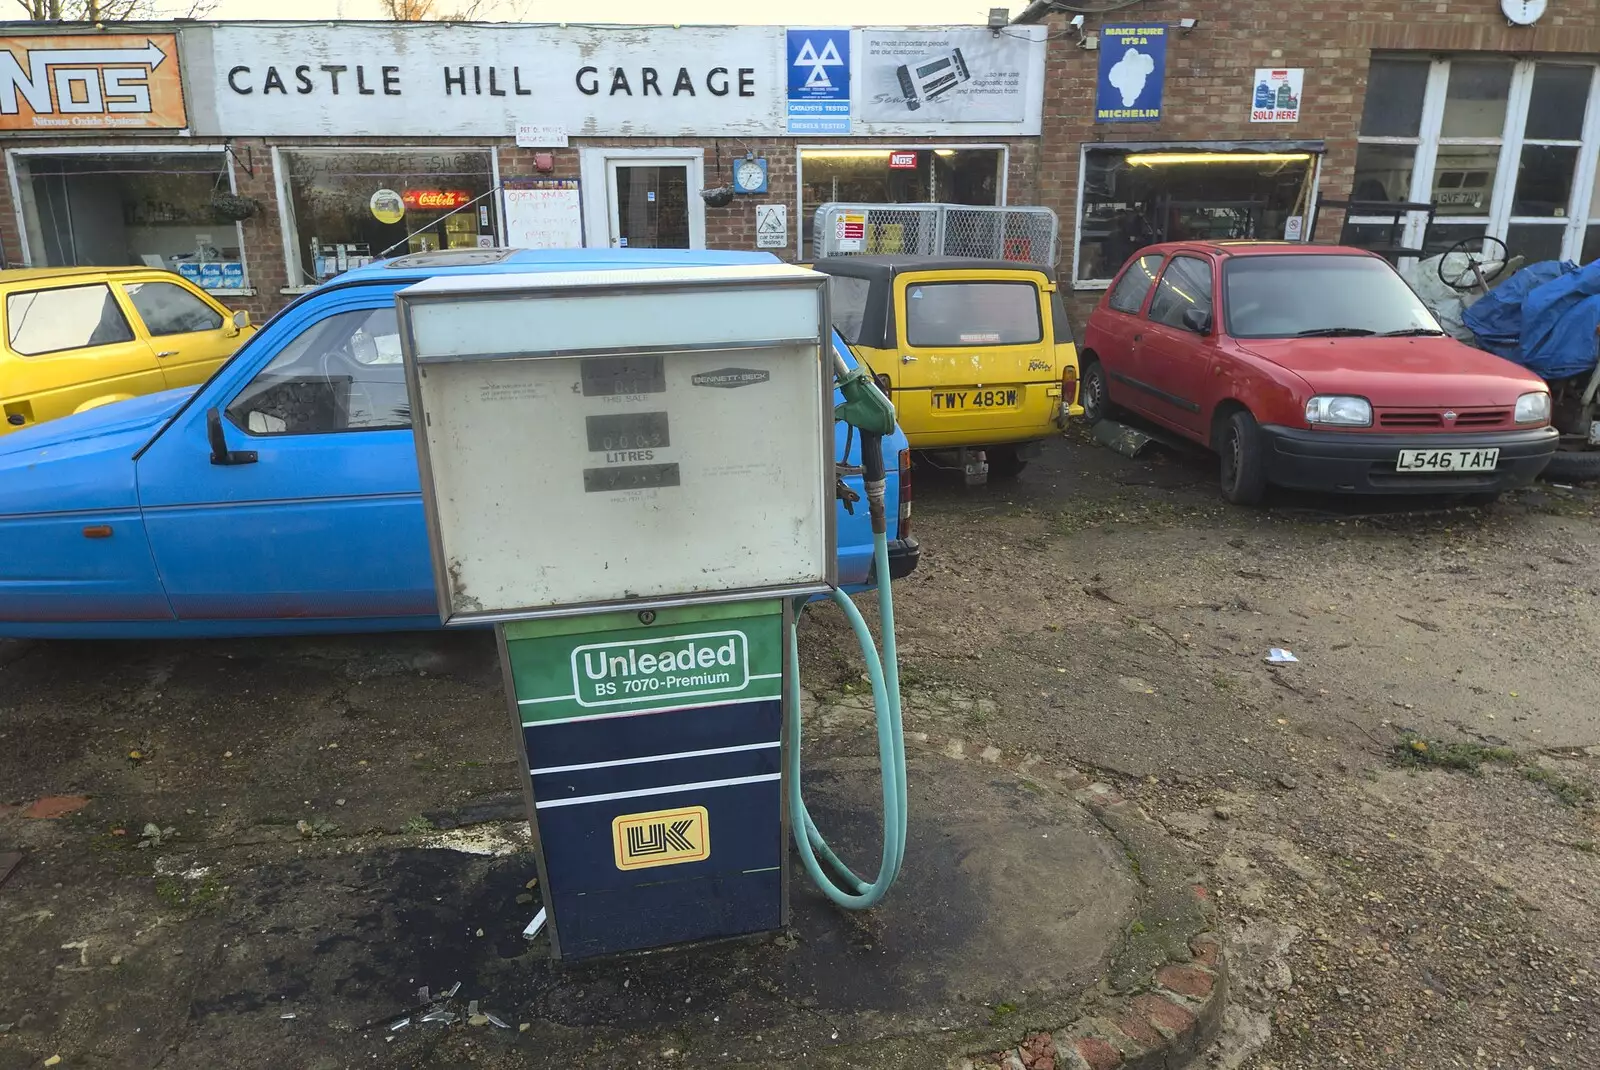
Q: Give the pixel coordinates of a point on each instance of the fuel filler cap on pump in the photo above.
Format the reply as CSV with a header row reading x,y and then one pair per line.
x,y
629,474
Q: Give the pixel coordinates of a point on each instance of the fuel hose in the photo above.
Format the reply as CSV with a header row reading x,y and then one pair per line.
x,y
843,886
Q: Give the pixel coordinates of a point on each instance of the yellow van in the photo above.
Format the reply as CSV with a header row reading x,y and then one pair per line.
x,y
75,338
977,355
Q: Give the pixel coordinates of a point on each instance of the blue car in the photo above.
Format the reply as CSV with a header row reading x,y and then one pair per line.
x,y
282,496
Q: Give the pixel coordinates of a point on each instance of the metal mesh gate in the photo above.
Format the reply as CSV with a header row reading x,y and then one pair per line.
x,y
1025,234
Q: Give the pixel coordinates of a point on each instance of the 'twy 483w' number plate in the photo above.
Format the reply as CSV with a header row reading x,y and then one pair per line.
x,y
1447,460
946,400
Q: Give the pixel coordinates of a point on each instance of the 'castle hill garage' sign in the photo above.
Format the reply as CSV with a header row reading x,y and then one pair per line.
x,y
369,79
484,80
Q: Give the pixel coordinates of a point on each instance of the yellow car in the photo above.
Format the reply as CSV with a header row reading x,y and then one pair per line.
x,y
977,355
77,338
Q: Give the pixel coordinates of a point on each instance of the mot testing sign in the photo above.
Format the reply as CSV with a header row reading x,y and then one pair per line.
x,y
83,82
1275,97
819,81
1133,68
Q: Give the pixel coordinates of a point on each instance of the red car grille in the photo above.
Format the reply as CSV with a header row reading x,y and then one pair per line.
x,y
1423,419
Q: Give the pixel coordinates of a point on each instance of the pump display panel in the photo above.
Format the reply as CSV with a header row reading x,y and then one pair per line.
x,y
622,438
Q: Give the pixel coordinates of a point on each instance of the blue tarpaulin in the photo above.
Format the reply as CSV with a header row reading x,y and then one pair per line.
x,y
1544,317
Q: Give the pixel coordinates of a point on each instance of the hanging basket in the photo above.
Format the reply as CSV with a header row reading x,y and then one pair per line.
x,y
232,208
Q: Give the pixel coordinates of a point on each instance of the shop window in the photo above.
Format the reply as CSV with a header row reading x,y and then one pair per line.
x,y
1475,100
1394,97
67,317
1560,99
1536,241
1441,237
1134,198
897,176
343,373
170,309
1472,114
348,207
1463,179
116,209
1544,180
1383,172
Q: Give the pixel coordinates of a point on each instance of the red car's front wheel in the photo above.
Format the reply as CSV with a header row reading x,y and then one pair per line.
x,y
1244,468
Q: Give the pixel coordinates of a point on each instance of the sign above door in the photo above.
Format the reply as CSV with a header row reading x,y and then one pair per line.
x,y
473,80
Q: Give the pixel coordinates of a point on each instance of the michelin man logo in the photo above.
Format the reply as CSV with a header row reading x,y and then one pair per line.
x,y
1129,75
819,64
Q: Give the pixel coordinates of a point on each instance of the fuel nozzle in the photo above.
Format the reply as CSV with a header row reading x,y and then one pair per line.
x,y
864,407
867,410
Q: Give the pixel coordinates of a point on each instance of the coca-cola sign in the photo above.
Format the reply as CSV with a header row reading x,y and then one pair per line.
x,y
435,200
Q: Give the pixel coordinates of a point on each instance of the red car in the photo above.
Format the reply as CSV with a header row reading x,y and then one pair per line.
x,y
1310,366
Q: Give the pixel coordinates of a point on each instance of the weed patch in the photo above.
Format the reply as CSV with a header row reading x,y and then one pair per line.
x,y
1414,751
1566,791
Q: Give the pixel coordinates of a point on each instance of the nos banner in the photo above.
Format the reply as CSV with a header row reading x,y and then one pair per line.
x,y
85,82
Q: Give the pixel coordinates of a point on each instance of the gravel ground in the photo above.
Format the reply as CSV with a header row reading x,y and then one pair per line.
x,y
1385,909
1400,827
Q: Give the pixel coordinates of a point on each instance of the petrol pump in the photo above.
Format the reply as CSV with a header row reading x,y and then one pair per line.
x,y
630,474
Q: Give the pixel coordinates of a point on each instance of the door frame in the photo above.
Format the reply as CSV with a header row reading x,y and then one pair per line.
x,y
595,173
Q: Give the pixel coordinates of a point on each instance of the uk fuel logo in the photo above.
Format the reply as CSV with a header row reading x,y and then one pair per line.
x,y
660,838
71,82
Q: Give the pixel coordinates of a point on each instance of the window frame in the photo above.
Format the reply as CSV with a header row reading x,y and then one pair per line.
x,y
111,294
1498,220
295,275
16,162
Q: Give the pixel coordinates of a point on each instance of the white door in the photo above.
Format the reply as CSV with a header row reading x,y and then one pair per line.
x,y
651,201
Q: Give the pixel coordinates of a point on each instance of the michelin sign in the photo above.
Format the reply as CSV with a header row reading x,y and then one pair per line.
x,y
1133,67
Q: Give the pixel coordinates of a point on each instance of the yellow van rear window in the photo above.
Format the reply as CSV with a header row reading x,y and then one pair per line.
x,y
973,314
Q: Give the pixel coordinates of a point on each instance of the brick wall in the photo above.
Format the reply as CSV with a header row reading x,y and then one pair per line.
x,y
1210,71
